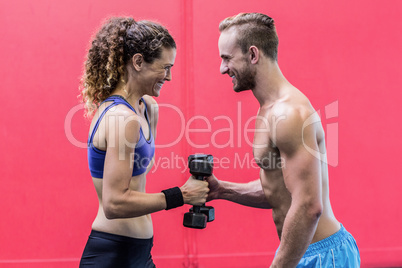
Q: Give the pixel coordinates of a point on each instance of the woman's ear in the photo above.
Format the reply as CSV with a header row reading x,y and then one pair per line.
x,y
138,61
254,54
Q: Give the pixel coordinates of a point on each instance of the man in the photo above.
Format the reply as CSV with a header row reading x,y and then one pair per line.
x,y
293,179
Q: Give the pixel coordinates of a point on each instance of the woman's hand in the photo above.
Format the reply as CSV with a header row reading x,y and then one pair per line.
x,y
195,192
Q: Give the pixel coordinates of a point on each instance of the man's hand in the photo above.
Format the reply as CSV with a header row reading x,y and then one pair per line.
x,y
213,184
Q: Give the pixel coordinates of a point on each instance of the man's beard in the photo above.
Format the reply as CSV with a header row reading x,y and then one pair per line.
x,y
245,80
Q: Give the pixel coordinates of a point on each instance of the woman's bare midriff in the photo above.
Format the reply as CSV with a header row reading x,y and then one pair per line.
x,y
138,227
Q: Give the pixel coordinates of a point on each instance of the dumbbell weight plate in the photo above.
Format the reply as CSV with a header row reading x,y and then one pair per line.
x,y
195,220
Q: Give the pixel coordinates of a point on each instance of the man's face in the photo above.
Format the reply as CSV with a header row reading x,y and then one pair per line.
x,y
234,62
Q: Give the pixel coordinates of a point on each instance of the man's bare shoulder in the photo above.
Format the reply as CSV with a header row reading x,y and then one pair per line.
x,y
292,105
288,116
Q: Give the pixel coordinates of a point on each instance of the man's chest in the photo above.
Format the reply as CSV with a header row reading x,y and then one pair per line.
x,y
265,152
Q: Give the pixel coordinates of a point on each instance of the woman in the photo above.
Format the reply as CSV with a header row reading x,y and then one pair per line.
x,y
127,64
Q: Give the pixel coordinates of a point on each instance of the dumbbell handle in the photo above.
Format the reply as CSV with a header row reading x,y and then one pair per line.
x,y
197,209
199,177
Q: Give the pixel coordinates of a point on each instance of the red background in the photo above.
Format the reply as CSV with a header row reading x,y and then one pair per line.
x,y
344,53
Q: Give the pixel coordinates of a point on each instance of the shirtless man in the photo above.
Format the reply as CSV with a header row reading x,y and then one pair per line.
x,y
293,181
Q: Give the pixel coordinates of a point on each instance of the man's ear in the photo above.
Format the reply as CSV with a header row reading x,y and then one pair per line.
x,y
254,54
138,61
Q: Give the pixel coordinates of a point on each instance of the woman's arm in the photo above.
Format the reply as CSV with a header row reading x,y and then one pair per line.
x,y
119,201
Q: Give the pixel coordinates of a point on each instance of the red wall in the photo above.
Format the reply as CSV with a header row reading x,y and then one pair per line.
x,y
344,55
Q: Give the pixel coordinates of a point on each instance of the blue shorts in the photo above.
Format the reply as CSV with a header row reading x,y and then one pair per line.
x,y
337,250
104,250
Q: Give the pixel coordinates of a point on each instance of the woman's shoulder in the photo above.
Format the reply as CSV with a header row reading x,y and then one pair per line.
x,y
149,101
152,110
152,105
105,110
120,113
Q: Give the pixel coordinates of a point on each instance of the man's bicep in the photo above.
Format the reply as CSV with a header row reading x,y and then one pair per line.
x,y
301,169
301,172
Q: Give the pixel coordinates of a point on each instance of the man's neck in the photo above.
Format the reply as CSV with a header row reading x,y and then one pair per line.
x,y
270,83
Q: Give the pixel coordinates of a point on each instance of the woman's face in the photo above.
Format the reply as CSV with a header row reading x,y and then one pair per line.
x,y
156,73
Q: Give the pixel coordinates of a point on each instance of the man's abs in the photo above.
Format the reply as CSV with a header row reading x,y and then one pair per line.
x,y
280,200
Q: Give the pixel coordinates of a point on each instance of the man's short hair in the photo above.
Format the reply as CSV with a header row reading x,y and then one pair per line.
x,y
254,29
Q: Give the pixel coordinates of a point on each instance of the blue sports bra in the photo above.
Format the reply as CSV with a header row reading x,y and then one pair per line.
x,y
143,153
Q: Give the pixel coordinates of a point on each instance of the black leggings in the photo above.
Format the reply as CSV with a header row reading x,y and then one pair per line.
x,y
109,250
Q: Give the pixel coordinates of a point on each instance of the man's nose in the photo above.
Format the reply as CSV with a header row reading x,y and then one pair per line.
x,y
224,67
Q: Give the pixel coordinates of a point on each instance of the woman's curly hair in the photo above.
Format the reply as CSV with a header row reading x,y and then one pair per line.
x,y
112,47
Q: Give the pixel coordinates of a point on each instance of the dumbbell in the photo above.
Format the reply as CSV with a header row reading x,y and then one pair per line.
x,y
200,166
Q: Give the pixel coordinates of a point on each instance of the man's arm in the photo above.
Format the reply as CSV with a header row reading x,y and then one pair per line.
x,y
302,177
247,194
